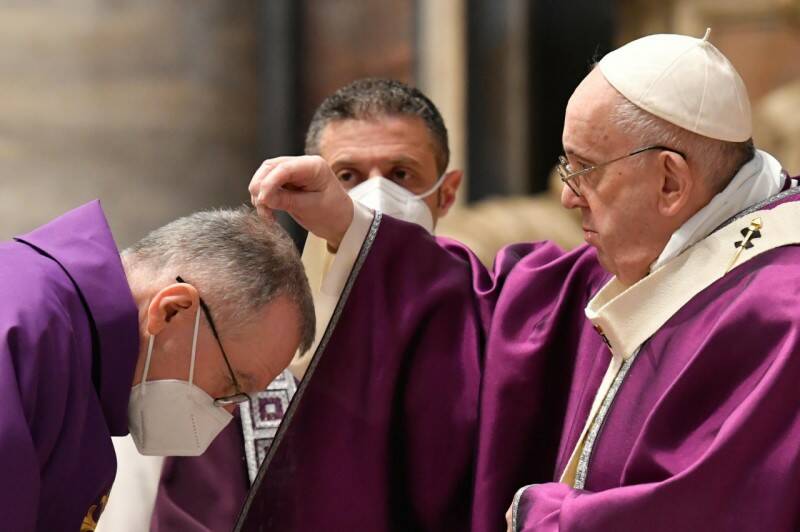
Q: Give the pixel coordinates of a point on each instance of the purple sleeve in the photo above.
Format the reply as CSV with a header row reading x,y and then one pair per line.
x,y
33,400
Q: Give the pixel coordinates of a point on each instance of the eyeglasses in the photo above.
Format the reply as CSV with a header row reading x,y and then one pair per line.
x,y
570,177
239,396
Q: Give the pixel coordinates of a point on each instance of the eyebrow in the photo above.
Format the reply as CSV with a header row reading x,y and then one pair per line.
x,y
246,381
404,160
395,161
339,163
580,156
245,378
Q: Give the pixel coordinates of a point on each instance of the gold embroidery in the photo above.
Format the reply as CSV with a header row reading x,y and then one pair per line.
x,y
95,510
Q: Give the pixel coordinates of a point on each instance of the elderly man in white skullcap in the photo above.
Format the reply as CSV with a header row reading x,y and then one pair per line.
x,y
645,381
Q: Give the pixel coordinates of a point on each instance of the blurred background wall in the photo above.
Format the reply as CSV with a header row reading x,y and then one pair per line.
x,y
149,105
163,107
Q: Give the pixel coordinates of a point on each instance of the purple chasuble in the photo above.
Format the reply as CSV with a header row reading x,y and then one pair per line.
x,y
440,390
70,342
206,493
703,431
385,433
203,493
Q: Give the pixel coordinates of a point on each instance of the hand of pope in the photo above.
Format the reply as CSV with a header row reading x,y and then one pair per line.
x,y
307,189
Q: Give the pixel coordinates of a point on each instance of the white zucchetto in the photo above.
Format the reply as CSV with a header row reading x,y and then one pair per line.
x,y
684,80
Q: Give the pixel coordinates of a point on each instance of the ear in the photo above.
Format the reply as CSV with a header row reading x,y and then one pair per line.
x,y
167,303
447,195
677,183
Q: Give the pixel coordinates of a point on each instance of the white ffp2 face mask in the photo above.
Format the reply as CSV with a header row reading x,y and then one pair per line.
x,y
173,417
381,194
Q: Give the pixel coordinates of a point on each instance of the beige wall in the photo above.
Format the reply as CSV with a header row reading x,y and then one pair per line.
x,y
344,40
149,105
441,70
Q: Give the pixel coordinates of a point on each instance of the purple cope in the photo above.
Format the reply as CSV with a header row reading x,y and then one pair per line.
x,y
441,389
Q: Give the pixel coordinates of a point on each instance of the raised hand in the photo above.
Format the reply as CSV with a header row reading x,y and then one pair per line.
x,y
307,189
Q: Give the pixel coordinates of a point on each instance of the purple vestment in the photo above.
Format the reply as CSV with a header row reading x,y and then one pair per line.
x,y
703,433
441,389
70,340
204,493
385,433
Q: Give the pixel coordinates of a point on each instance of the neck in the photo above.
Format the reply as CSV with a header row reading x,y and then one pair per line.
x,y
141,295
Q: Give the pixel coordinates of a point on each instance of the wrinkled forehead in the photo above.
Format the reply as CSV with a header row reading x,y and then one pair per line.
x,y
589,119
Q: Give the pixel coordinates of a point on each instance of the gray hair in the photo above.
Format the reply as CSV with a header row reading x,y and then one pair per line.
x,y
717,160
366,99
237,261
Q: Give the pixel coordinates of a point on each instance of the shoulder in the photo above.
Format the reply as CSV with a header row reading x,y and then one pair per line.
x,y
772,277
545,270
39,333
35,294
748,316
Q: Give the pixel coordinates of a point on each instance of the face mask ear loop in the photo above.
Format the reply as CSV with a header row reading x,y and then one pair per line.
x,y
147,361
194,344
433,189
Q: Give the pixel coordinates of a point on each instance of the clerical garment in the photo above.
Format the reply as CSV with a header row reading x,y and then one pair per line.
x,y
385,431
698,426
440,390
206,493
203,493
70,340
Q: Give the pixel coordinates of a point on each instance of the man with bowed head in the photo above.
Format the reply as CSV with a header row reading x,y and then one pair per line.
x,y
646,380
163,340
386,142
387,146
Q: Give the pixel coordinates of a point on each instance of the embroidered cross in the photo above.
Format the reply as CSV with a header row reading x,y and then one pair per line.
x,y
749,233
748,241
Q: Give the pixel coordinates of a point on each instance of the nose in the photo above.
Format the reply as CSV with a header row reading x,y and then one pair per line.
x,y
375,172
569,200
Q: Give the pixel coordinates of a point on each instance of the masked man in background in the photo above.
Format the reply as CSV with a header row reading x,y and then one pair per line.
x,y
387,145
94,344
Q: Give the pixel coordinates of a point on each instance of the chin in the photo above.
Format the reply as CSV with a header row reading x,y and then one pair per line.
x,y
602,258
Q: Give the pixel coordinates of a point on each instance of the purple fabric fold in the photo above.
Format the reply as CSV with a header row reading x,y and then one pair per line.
x,y
703,433
203,493
385,436
69,341
445,388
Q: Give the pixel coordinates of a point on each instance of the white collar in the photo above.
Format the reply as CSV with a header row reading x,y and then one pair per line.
x,y
626,316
